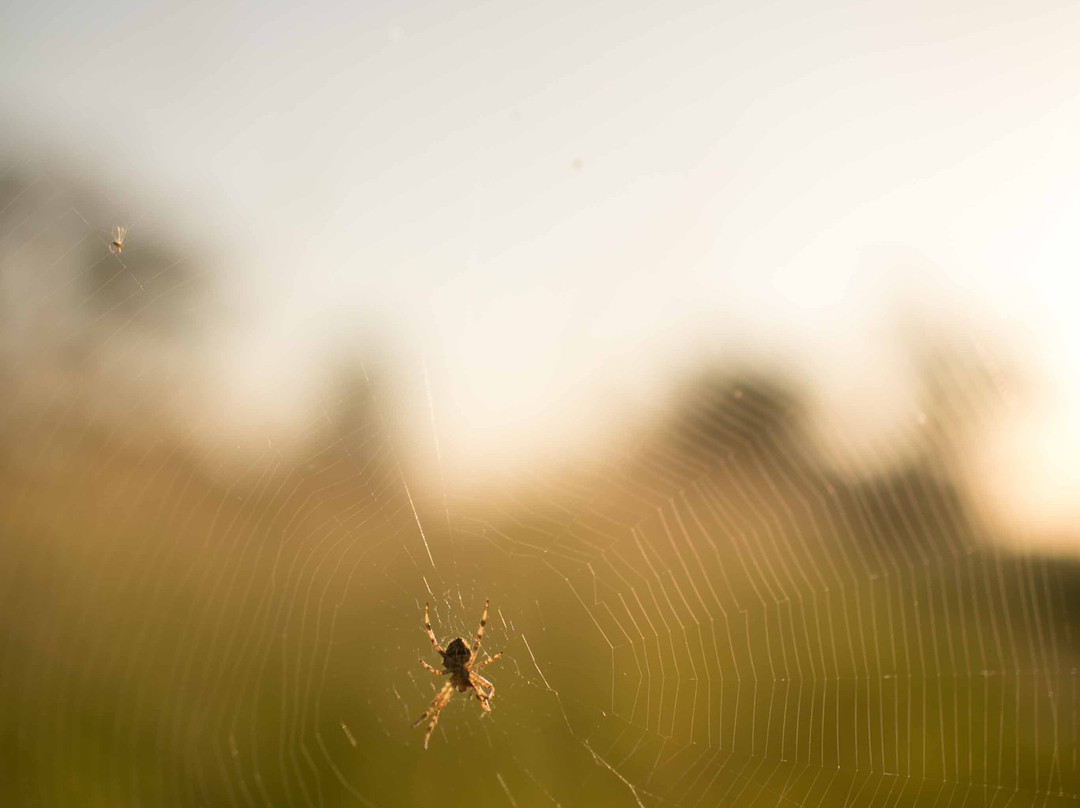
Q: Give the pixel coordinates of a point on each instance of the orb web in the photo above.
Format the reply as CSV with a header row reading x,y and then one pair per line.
x,y
705,612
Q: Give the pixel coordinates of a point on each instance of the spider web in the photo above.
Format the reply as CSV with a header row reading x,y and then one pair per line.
x,y
707,611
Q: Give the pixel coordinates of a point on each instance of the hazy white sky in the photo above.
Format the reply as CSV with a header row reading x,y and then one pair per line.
x,y
547,199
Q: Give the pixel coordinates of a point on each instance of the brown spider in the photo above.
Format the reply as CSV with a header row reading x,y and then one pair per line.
x,y
458,662
118,239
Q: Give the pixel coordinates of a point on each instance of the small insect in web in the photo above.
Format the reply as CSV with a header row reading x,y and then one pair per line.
x,y
119,235
458,662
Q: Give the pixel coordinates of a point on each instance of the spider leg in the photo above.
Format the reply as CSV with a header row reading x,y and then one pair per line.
x,y
430,633
480,631
475,680
487,661
437,673
442,698
487,684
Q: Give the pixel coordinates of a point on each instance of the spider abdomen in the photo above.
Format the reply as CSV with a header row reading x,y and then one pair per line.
x,y
456,656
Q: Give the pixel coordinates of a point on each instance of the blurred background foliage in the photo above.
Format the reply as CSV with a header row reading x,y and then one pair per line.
x,y
705,609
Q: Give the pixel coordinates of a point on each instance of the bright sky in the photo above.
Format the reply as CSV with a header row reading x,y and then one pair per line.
x,y
553,199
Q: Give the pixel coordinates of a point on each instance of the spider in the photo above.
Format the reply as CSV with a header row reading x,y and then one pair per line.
x,y
118,240
458,664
